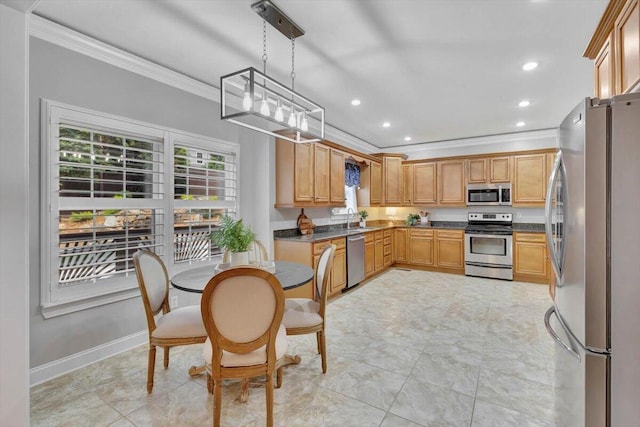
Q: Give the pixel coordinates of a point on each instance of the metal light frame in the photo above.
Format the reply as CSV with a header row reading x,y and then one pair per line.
x,y
254,87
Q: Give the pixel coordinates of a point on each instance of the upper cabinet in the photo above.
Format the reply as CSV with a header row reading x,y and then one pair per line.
x,y
451,183
407,184
530,179
489,170
615,49
425,191
391,178
370,191
308,175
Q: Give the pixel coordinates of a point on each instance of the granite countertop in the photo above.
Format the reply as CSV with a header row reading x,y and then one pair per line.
x,y
529,228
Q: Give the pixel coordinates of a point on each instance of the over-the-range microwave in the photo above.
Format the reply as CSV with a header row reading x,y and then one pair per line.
x,y
489,194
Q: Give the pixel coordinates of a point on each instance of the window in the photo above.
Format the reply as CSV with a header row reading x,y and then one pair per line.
x,y
114,186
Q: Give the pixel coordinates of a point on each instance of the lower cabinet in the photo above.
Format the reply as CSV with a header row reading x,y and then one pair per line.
x,y
421,247
387,248
450,249
401,237
378,251
436,248
369,255
530,258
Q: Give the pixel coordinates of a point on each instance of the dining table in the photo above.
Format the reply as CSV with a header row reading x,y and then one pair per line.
x,y
290,275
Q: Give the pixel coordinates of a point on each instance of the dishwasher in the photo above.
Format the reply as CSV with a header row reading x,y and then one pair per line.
x,y
355,260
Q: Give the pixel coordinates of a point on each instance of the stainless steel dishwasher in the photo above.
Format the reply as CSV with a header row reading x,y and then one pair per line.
x,y
355,259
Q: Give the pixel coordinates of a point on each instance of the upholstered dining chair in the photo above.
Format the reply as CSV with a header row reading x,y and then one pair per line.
x,y
307,316
182,326
242,312
257,253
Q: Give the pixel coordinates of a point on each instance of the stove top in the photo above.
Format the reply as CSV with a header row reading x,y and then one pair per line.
x,y
489,223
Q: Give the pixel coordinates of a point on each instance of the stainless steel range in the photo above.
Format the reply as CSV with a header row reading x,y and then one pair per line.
x,y
488,245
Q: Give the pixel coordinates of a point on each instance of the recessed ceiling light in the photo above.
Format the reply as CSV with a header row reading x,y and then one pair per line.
x,y
529,66
355,102
523,103
386,124
520,124
407,138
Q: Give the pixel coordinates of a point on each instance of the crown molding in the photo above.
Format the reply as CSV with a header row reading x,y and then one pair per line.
x,y
69,39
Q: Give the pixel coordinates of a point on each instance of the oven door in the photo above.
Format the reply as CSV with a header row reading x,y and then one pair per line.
x,y
484,248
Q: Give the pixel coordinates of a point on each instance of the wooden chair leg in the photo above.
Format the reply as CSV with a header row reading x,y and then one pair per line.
x,y
217,402
323,352
244,394
166,357
318,342
269,390
209,383
279,377
151,367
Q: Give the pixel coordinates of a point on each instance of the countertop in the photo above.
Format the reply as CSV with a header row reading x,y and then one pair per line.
x,y
334,234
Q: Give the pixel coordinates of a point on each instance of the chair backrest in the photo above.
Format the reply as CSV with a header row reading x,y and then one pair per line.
x,y
257,253
242,309
323,276
153,281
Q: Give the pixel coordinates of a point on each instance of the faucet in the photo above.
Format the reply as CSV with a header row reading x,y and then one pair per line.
x,y
349,217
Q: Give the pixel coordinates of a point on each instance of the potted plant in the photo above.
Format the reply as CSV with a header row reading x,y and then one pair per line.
x,y
412,219
235,237
363,218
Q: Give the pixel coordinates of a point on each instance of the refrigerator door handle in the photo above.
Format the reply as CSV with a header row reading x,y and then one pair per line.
x,y
547,214
555,336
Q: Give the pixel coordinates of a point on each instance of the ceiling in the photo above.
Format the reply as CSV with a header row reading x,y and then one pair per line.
x,y
436,70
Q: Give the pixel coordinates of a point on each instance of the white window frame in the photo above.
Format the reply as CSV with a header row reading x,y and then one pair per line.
x,y
57,300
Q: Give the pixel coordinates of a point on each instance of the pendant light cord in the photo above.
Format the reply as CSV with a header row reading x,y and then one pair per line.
x,y
264,46
293,63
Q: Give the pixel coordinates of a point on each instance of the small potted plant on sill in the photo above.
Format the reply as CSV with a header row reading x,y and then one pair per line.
x,y
235,237
363,218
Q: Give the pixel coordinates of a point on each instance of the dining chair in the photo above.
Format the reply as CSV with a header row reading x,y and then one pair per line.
x,y
307,316
182,326
257,253
242,312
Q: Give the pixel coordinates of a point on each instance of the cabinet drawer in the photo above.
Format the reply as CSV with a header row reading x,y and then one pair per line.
x,y
368,237
318,247
450,234
387,260
387,233
378,235
420,233
387,241
340,243
387,250
530,237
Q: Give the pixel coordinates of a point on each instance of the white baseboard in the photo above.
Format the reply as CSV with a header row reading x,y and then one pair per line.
x,y
54,369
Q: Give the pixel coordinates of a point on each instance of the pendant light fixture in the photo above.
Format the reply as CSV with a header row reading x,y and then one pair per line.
x,y
254,100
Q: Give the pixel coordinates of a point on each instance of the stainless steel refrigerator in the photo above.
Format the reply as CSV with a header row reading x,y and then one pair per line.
x,y
593,231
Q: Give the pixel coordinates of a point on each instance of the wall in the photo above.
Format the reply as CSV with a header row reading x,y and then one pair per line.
x,y
62,75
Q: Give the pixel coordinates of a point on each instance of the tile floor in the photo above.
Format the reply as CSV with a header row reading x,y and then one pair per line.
x,y
409,348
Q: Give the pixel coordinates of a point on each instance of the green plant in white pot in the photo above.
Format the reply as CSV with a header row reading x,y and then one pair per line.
x,y
235,237
363,218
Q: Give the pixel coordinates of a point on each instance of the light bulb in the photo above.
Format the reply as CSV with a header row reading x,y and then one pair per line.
x,y
247,102
292,118
279,116
304,125
264,106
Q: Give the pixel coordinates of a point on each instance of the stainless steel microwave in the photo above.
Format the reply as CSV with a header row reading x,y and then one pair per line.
x,y
489,194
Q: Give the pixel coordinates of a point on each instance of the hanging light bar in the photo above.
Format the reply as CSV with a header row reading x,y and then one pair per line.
x,y
252,99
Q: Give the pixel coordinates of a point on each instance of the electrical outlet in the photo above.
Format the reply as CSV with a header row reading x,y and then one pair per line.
x,y
173,301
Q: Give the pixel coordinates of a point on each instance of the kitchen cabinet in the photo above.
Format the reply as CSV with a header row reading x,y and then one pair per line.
x,y
530,179
308,175
401,245
387,248
392,179
376,183
491,170
615,49
407,184
425,184
378,251
370,191
421,247
451,183
339,269
369,255
530,258
450,249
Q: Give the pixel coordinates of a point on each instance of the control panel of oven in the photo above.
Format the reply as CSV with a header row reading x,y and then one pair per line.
x,y
503,217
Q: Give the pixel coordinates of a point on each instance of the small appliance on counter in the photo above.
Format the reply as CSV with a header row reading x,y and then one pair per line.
x,y
487,245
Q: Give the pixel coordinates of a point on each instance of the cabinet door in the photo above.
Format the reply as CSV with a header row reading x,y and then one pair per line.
x,y
421,248
407,184
378,255
337,177
401,246
376,183
450,249
424,184
321,167
530,256
339,271
627,39
500,169
530,179
369,259
392,180
604,70
303,173
451,183
477,171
